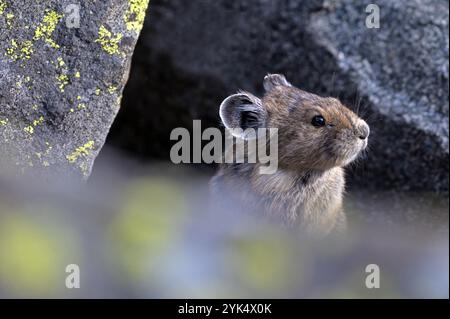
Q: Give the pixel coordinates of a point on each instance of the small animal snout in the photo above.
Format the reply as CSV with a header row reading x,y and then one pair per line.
x,y
363,130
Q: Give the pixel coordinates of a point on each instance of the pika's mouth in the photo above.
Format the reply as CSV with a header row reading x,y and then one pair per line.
x,y
352,153
365,142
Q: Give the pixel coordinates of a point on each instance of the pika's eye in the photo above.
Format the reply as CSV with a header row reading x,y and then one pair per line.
x,y
318,121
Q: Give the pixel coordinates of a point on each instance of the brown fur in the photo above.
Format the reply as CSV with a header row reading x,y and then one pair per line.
x,y
307,190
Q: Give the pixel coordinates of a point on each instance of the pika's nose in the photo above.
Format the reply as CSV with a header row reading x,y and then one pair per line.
x,y
363,130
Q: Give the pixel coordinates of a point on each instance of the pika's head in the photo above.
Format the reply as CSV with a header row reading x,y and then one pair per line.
x,y
313,132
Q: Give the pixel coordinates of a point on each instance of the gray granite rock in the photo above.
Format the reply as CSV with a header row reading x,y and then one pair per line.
x,y
193,54
61,83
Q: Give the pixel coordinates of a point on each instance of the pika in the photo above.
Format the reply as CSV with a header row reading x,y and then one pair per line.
x,y
317,138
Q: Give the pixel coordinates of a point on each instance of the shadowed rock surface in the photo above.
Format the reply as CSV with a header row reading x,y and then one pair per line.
x,y
60,86
193,54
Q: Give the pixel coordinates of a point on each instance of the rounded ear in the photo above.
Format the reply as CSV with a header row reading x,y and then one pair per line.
x,y
273,80
242,111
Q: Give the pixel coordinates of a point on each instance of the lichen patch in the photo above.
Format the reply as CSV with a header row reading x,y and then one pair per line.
x,y
4,122
45,30
109,41
135,15
3,7
84,150
20,50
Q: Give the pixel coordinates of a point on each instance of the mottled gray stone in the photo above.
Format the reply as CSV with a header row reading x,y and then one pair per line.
x,y
193,54
60,87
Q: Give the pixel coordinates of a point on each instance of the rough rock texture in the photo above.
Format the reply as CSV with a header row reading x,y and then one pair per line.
x,y
193,54
60,86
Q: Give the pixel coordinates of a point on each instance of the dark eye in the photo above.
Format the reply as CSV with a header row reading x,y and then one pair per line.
x,y
318,121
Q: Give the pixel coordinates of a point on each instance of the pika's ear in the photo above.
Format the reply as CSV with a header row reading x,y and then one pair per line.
x,y
242,111
273,80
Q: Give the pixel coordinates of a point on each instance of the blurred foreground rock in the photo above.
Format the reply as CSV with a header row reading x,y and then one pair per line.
x,y
61,85
145,232
193,54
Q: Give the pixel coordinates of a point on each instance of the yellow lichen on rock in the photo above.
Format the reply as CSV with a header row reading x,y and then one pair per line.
x,y
108,41
30,128
135,15
61,62
62,78
24,50
3,6
20,51
80,151
9,19
47,27
39,121
112,89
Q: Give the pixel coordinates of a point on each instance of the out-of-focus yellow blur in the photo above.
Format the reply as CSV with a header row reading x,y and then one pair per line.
x,y
33,256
